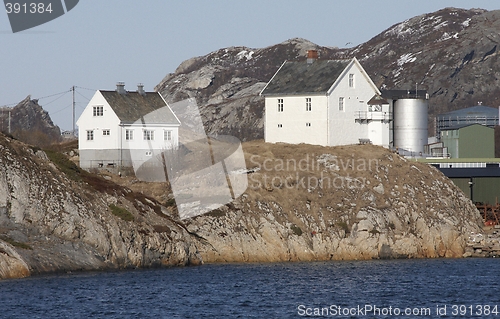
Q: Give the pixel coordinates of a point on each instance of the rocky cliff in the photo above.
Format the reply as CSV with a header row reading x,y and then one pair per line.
x,y
54,217
30,123
451,53
307,202
303,202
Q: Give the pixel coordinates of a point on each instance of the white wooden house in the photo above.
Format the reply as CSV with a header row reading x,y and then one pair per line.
x,y
118,128
330,103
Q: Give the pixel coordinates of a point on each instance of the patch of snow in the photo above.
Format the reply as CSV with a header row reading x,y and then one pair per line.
x,y
442,24
447,36
466,22
245,54
406,58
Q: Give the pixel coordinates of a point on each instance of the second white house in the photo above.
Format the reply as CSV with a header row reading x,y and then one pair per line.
x,y
331,102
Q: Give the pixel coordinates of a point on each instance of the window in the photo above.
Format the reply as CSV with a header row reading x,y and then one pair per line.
x,y
308,104
149,153
280,125
105,132
98,110
129,135
351,80
90,135
149,135
280,105
167,135
341,103
308,124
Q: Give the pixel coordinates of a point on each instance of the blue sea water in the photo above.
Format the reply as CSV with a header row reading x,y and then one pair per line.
x,y
437,288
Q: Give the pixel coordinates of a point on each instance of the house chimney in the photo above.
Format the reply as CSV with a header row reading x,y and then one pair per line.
x,y
120,88
312,55
140,89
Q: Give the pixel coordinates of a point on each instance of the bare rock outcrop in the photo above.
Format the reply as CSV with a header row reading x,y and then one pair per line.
x,y
353,202
52,221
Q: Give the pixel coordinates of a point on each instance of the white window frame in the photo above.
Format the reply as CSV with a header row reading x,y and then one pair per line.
x,y
106,132
280,105
308,124
341,104
280,125
351,80
129,135
149,135
167,135
98,110
308,104
90,135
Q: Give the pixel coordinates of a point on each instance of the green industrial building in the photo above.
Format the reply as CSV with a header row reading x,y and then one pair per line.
x,y
469,141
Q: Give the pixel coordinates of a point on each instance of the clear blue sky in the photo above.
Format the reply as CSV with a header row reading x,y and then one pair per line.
x,y
101,42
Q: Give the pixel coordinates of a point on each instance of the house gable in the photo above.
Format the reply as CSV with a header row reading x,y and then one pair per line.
x,y
353,63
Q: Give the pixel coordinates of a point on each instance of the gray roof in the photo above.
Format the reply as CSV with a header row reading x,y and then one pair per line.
x,y
478,110
460,126
133,106
302,77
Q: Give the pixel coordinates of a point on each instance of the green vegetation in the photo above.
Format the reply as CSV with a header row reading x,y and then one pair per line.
x,y
66,166
343,225
296,230
15,243
216,213
122,213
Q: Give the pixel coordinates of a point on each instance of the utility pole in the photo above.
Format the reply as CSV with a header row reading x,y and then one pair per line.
x,y
73,89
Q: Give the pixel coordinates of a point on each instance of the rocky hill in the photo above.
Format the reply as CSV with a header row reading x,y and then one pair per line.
x,y
30,122
303,203
451,53
309,202
55,217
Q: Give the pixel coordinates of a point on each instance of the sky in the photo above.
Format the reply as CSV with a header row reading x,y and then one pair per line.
x,y
101,42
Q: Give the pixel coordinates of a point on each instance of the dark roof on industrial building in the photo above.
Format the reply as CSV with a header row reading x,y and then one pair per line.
x,y
460,126
478,110
132,106
304,78
404,94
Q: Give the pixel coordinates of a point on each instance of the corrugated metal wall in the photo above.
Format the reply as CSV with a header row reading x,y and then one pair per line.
x,y
486,189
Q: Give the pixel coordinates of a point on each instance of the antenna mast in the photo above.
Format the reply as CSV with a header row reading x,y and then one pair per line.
x,y
73,89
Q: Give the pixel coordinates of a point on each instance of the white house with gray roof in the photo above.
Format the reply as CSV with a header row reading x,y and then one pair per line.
x,y
329,102
120,128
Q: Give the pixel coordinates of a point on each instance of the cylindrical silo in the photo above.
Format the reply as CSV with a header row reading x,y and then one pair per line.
x,y
410,124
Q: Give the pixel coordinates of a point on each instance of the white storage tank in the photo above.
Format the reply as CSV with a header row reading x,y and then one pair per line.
x,y
410,124
409,129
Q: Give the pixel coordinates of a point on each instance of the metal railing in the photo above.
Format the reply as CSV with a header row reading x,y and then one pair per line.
x,y
372,116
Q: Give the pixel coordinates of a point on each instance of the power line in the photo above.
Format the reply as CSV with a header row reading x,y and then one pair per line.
x,y
85,88
44,97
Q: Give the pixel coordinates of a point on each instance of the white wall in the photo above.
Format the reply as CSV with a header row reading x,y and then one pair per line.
x,y
294,118
344,129
329,125
109,121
